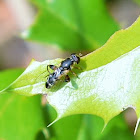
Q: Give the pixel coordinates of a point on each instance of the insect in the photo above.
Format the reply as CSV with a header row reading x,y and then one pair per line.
x,y
63,70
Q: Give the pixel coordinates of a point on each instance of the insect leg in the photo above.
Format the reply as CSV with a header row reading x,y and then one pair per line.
x,y
74,73
40,75
46,76
79,68
67,78
53,67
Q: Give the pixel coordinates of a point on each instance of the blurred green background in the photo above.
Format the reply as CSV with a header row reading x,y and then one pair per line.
x,y
27,117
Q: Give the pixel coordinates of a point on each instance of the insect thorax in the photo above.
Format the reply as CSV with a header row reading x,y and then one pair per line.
x,y
66,64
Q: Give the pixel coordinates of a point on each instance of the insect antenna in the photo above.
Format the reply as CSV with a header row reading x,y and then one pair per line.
x,y
40,75
80,54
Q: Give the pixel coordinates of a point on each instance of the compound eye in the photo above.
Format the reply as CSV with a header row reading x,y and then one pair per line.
x,y
74,57
78,60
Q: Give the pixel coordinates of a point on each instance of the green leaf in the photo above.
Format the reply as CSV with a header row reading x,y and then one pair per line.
x,y
104,91
72,25
116,129
110,90
20,117
86,127
119,43
8,76
137,1
67,128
